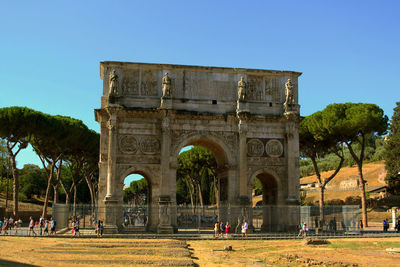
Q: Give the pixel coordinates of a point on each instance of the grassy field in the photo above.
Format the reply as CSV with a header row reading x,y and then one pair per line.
x,y
23,251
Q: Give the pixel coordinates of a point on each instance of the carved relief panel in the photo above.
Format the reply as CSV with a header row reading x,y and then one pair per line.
x,y
149,82
130,82
262,147
148,145
272,90
255,88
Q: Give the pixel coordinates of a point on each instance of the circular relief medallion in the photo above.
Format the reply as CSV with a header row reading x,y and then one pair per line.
x,y
150,145
274,148
255,148
128,144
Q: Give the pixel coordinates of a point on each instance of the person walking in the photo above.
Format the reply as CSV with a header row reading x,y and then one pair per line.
x,y
46,228
31,226
5,226
221,229
227,230
101,228
41,225
52,226
216,230
77,227
305,229
301,226
73,228
245,226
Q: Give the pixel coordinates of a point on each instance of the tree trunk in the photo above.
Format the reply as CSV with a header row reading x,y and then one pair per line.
x,y
58,174
46,199
363,197
189,185
66,193
8,185
74,211
200,198
321,206
89,183
359,162
15,185
216,191
55,188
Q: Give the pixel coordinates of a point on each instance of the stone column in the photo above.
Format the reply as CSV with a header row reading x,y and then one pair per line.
x,y
112,150
244,200
110,203
243,158
165,198
292,162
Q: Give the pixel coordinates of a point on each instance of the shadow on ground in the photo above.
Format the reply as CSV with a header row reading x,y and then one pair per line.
x,y
13,263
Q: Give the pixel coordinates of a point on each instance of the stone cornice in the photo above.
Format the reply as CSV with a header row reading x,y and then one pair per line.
x,y
136,65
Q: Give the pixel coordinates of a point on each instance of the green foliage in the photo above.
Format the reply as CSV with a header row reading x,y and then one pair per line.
x,y
392,152
344,121
257,185
33,181
196,166
137,192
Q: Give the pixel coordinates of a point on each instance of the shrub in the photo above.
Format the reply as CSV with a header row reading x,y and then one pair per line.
x,y
353,200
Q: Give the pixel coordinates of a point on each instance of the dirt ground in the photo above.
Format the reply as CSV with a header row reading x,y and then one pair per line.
x,y
29,251
341,252
25,251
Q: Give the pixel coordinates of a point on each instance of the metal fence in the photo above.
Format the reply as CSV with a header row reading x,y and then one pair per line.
x,y
269,218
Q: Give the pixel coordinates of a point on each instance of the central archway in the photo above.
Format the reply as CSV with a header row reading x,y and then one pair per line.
x,y
204,216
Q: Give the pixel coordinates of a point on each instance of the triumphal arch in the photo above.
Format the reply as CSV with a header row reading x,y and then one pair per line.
x,y
248,118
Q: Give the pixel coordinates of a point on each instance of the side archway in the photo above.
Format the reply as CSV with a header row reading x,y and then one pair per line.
x,y
265,212
138,215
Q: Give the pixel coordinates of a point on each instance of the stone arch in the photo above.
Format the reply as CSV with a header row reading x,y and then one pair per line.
x,y
267,170
222,155
151,179
270,179
146,173
214,144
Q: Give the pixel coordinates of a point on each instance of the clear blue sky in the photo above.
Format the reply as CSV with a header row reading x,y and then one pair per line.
x,y
50,51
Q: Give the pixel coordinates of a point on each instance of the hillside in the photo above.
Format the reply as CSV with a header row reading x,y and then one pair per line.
x,y
345,183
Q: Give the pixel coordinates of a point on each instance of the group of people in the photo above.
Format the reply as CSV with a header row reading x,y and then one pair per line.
x,y
7,224
75,228
302,230
386,225
46,226
220,229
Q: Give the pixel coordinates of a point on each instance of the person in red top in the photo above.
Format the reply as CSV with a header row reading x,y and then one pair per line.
x,y
227,229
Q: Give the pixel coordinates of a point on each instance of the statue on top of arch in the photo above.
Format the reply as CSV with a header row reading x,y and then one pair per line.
x,y
241,89
289,91
166,86
113,84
